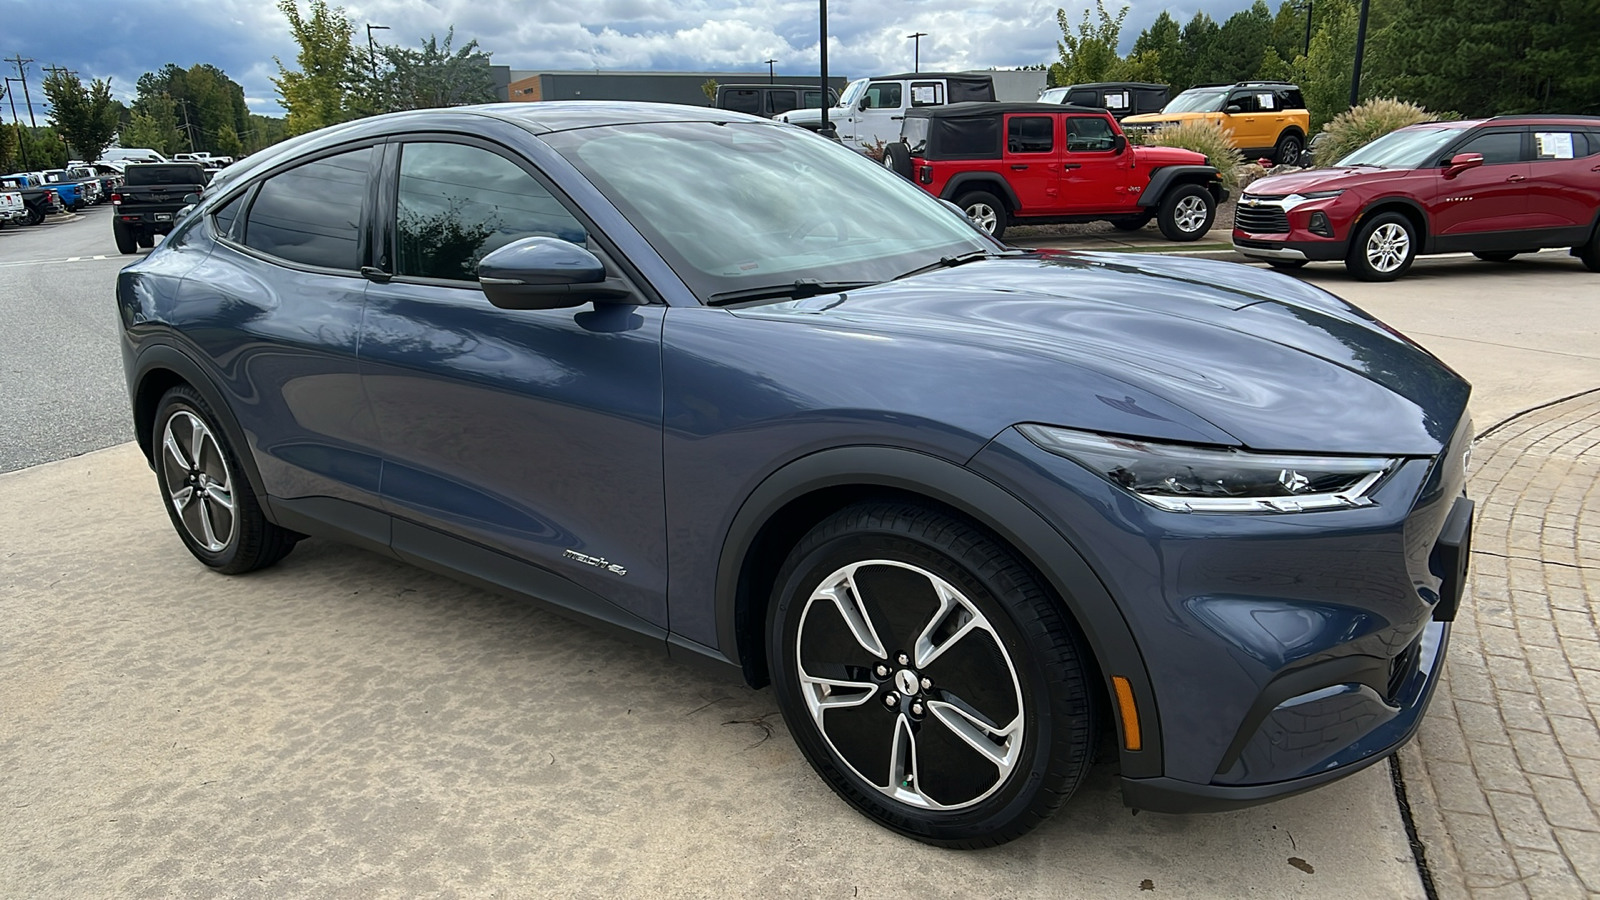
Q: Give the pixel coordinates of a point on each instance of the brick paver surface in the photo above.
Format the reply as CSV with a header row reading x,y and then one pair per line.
x,y
1505,774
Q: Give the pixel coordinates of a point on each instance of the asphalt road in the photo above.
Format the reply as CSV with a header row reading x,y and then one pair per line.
x,y
61,385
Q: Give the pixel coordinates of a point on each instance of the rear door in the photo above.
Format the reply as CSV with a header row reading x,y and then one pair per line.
x,y
1032,161
1095,176
1563,178
780,101
1490,198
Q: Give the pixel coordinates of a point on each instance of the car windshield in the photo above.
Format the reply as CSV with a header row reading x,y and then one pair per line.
x,y
853,91
1408,148
736,207
1197,100
1053,95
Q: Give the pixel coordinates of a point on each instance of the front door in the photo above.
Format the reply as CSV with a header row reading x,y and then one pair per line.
x,y
1095,174
1032,162
1490,198
879,114
534,433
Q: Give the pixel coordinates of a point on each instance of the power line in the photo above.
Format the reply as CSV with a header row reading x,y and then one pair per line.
x,y
22,75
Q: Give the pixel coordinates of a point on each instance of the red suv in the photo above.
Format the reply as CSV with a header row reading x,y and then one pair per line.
x,y
1494,187
1041,163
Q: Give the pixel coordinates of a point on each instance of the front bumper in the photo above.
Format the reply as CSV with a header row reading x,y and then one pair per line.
x,y
1278,246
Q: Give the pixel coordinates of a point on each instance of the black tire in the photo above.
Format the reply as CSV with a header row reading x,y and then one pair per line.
x,y
897,159
1290,146
986,211
1589,253
1498,256
1286,263
207,467
1021,658
1179,208
126,242
35,215
146,240
1131,223
1368,242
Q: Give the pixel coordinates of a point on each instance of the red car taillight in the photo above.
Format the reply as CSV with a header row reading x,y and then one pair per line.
x,y
116,199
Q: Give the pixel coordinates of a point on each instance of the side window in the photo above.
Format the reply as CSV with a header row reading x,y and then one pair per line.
x,y
1559,145
1118,101
1245,102
1030,134
311,214
1266,101
458,203
1089,134
226,213
1496,147
742,101
927,93
813,99
1083,98
782,101
1291,99
883,95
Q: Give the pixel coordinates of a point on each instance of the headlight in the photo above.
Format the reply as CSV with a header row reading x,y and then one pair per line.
x,y
1181,478
1293,200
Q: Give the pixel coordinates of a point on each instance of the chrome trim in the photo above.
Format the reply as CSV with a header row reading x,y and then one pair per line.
x,y
1267,253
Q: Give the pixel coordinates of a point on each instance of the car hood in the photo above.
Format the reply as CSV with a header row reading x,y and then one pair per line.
x,y
1268,360
807,115
1160,118
1155,157
1310,180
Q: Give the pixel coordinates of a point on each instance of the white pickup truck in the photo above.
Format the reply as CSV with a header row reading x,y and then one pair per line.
x,y
871,109
12,210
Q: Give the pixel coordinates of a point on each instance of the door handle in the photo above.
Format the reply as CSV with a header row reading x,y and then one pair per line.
x,y
373,273
896,118
1018,167
1072,165
1517,178
1594,168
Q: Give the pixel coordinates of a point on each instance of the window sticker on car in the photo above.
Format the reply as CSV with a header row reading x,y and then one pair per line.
x,y
1553,144
1117,101
925,95
1267,100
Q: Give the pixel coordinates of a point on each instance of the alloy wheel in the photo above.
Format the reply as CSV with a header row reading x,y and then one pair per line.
x,y
983,216
1190,214
910,685
199,485
1387,247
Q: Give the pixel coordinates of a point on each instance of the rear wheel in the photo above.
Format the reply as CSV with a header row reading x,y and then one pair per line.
x,y
986,211
1383,249
209,500
1289,148
1495,255
126,242
1590,252
147,240
35,215
928,677
1187,212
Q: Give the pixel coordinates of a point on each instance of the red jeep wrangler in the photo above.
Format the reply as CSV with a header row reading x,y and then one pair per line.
x,y
1044,164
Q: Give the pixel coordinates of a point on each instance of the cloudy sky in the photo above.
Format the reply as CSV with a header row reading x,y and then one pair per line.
x,y
122,39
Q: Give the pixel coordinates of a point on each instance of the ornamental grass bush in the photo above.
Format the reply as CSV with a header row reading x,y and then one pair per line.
x,y
1359,126
1204,137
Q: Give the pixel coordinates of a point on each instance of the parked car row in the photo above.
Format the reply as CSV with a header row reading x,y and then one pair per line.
x,y
36,199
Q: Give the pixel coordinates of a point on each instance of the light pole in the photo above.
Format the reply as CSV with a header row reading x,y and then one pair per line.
x,y
372,48
916,50
1307,54
770,76
1361,46
824,29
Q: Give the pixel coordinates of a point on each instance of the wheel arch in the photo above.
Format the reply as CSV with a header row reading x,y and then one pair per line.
x,y
161,368
793,499
987,181
1406,207
1168,177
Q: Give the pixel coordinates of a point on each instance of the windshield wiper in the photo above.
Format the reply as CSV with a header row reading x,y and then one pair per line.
x,y
798,289
947,262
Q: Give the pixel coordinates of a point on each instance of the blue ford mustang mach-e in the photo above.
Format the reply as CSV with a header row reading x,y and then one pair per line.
x,y
743,394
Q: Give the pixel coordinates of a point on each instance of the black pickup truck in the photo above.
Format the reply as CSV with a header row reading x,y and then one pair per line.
x,y
148,201
40,201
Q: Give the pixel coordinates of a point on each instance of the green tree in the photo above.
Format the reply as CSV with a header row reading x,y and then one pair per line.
x,y
262,131
1240,44
434,76
1327,70
204,102
152,124
1090,54
1289,30
1198,54
318,94
45,147
709,88
1163,39
85,117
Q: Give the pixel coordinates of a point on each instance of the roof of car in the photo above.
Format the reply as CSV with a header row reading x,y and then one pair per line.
x,y
915,75
1118,84
979,107
559,115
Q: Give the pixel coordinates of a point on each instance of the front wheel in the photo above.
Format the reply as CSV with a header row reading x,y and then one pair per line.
x,y
207,496
1187,212
928,677
1383,249
986,211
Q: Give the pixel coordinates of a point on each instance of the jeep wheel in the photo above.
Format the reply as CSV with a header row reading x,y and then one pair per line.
x,y
1289,149
1187,212
1131,223
897,159
126,242
986,211
1383,249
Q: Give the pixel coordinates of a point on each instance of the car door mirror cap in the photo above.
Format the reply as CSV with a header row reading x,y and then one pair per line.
x,y
1462,162
1233,108
547,273
1119,143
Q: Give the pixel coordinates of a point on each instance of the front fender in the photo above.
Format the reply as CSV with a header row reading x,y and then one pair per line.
x,y
1163,179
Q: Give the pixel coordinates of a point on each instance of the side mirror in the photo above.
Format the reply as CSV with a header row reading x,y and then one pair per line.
x,y
1232,108
191,199
1119,144
864,103
546,273
1462,162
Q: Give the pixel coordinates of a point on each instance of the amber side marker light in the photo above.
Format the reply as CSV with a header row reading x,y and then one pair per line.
x,y
1130,713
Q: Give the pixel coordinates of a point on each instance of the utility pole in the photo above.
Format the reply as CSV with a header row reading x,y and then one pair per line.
x,y
22,142
22,76
188,130
916,50
1361,46
824,45
1307,54
372,48
771,78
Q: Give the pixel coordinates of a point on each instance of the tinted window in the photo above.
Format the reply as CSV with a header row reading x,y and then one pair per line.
x,y
1245,102
164,173
1030,134
227,213
1083,98
1291,99
742,101
1496,146
813,99
782,101
457,203
311,214
883,95
1089,134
